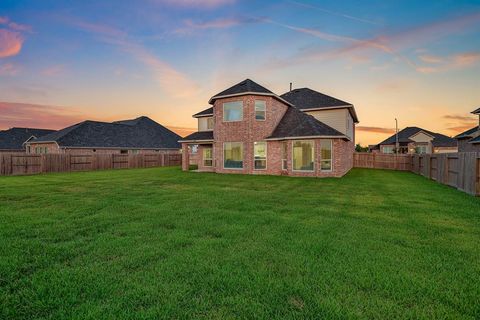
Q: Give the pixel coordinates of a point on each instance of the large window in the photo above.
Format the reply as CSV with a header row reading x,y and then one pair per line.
x,y
233,111
233,155
388,149
326,154
303,156
207,157
260,155
284,155
260,110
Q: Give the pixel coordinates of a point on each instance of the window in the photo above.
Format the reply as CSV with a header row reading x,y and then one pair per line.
x,y
387,149
28,149
123,151
134,151
45,150
207,157
260,110
260,155
303,156
233,111
233,155
326,154
209,123
284,155
421,149
193,149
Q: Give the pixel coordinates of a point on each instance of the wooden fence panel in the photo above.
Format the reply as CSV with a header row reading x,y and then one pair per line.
x,y
21,164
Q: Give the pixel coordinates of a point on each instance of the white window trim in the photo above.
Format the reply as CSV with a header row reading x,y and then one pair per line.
x,y
331,159
266,156
243,109
293,149
203,157
223,156
255,110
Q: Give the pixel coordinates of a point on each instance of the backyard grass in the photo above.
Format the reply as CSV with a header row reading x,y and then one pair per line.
x,y
160,243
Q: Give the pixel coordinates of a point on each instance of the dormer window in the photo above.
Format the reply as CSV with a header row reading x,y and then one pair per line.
x,y
233,111
260,110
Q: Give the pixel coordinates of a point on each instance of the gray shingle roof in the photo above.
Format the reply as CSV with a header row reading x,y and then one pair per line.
x,y
306,98
198,136
205,112
439,139
467,134
476,111
476,140
139,133
13,139
296,123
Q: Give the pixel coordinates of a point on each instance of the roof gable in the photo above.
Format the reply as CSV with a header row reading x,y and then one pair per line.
x,y
204,113
296,123
404,135
306,98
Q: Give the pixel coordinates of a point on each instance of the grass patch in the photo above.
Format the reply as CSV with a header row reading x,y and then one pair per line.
x,y
161,243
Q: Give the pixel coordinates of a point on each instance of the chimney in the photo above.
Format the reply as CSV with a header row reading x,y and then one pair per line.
x,y
290,87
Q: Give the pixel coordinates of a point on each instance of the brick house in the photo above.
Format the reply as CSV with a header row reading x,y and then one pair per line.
x,y
417,140
140,135
469,141
251,130
15,139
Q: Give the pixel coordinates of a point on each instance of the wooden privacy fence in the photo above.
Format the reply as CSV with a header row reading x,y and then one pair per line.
x,y
21,164
458,170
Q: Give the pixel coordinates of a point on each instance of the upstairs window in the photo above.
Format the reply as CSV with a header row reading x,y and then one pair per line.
x,y
233,111
209,123
326,153
260,155
260,110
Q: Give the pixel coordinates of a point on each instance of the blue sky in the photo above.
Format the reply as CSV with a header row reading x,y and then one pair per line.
x,y
65,61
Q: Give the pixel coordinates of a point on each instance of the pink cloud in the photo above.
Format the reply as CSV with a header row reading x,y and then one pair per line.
x,y
15,26
54,70
8,69
376,129
10,43
457,61
430,58
223,23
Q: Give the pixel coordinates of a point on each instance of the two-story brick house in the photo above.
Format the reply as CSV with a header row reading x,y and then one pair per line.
x,y
251,130
469,141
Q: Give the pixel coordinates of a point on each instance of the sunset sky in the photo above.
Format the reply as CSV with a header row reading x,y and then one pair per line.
x,y
62,62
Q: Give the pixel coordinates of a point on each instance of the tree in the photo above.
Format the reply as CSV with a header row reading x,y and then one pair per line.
x,y
359,148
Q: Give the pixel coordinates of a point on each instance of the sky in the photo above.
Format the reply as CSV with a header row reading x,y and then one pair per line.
x,y
62,62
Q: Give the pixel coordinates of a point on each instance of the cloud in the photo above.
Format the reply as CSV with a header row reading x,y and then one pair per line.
x,y
191,26
54,70
431,59
10,43
34,115
460,123
309,6
8,69
375,129
201,4
457,61
458,117
172,81
14,26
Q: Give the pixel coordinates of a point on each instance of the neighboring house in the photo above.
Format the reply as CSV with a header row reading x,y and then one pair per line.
x,y
469,141
418,140
141,135
14,139
251,130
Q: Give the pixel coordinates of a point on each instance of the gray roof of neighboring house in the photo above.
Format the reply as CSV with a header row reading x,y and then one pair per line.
x,y
476,111
296,123
139,133
467,134
199,136
14,138
206,112
439,139
306,98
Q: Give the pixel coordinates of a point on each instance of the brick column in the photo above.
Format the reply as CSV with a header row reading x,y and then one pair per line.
x,y
185,157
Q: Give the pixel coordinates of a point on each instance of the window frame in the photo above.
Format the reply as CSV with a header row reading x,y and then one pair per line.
x,y
223,107
313,156
264,110
331,156
285,155
207,159
266,156
223,156
210,119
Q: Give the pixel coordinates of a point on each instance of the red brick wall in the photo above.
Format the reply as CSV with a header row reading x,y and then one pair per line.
x,y
247,131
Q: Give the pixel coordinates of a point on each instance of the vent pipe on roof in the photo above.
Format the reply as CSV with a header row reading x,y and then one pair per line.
x,y
290,87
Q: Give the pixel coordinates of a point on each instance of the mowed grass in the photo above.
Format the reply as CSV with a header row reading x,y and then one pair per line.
x,y
160,243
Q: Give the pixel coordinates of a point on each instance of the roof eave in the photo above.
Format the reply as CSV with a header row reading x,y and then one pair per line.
x,y
348,106
195,141
212,99
202,115
308,137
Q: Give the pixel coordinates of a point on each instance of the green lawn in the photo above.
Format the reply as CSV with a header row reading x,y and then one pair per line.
x,y
160,243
